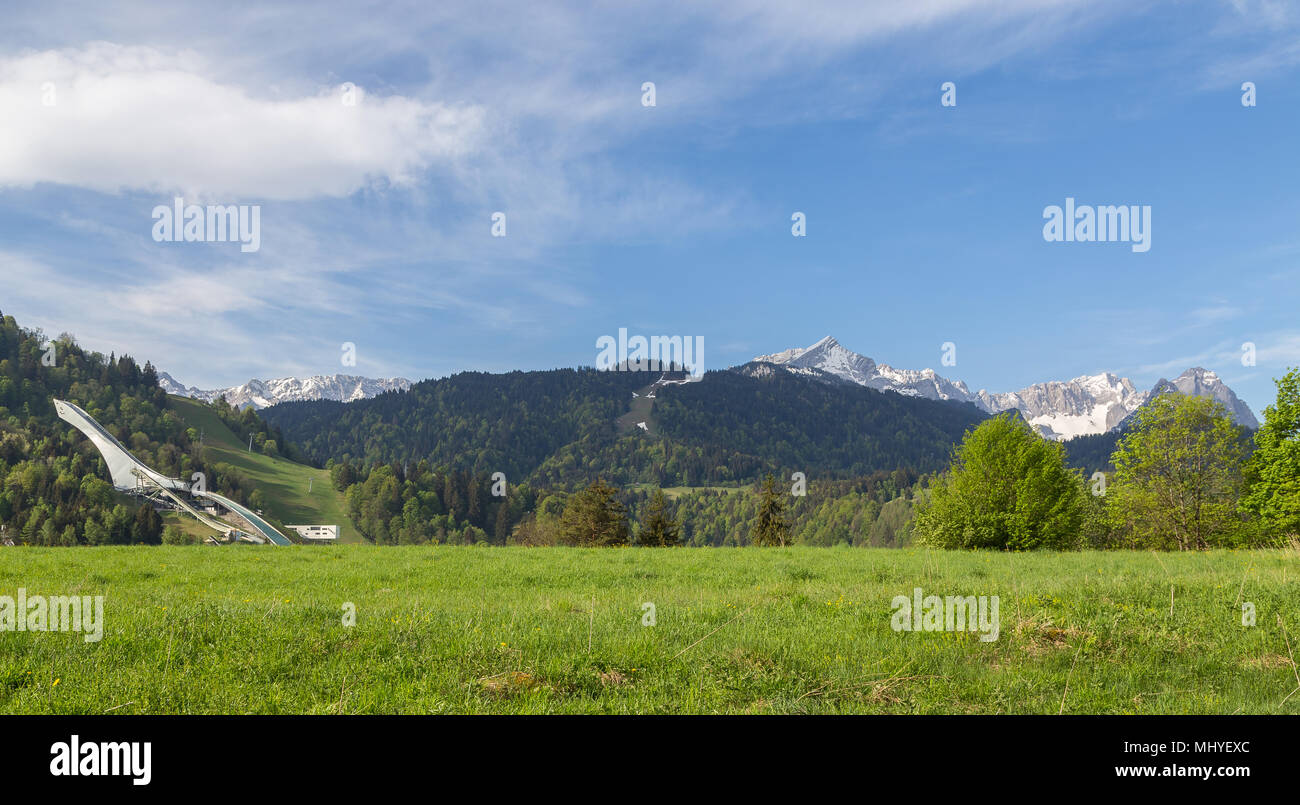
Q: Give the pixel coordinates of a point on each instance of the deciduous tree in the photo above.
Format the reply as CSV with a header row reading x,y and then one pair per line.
x,y
1006,488
1272,475
1178,477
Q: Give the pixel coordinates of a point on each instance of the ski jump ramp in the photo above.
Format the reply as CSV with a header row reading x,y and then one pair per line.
x,y
122,466
130,474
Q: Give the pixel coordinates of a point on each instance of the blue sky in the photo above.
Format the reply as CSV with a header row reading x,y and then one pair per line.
x,y
924,222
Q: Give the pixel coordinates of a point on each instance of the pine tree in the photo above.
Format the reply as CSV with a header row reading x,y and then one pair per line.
x,y
771,527
477,489
595,517
148,525
659,530
501,530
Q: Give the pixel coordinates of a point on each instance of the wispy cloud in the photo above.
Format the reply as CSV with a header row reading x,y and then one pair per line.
x,y
376,216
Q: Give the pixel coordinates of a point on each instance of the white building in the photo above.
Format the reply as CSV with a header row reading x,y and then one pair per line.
x,y
322,533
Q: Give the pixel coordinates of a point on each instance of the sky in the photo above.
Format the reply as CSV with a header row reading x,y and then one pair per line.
x,y
377,143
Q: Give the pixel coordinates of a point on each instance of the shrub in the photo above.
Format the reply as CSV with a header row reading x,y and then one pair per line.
x,y
1006,488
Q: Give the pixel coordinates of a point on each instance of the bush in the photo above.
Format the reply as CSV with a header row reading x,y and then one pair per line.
x,y
1006,488
174,536
595,517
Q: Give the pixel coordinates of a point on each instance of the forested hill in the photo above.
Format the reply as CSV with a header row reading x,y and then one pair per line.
x,y
54,487
809,425
474,420
558,428
1092,452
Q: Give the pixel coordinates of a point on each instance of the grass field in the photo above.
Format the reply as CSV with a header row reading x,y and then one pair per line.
x,y
283,482
518,630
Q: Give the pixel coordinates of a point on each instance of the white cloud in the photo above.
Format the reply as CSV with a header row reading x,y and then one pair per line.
x,y
137,118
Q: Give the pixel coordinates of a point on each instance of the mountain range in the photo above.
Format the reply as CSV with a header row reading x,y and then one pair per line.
x,y
265,393
1090,404
566,427
1057,409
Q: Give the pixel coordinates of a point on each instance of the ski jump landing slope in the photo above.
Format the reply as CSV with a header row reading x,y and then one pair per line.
x,y
129,472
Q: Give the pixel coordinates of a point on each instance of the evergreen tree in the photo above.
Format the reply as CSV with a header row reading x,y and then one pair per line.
x,y
771,527
595,517
659,530
148,525
475,486
501,530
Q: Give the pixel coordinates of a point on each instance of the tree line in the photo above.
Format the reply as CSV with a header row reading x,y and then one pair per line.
x,y
1184,475
417,503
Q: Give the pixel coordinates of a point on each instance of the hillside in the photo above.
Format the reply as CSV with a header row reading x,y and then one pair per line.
x,y
54,487
283,483
53,482
474,420
566,427
802,424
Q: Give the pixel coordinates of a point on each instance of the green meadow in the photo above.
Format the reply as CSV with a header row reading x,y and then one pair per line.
x,y
242,629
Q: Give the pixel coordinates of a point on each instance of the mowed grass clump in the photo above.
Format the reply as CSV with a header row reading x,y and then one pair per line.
x,y
518,630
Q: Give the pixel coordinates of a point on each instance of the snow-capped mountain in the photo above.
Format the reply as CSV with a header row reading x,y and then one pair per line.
x,y
1065,409
172,386
264,393
1056,409
1200,382
827,355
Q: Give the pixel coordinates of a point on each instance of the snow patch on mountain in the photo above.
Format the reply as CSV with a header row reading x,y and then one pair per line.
x,y
265,393
1057,409
827,355
1065,409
